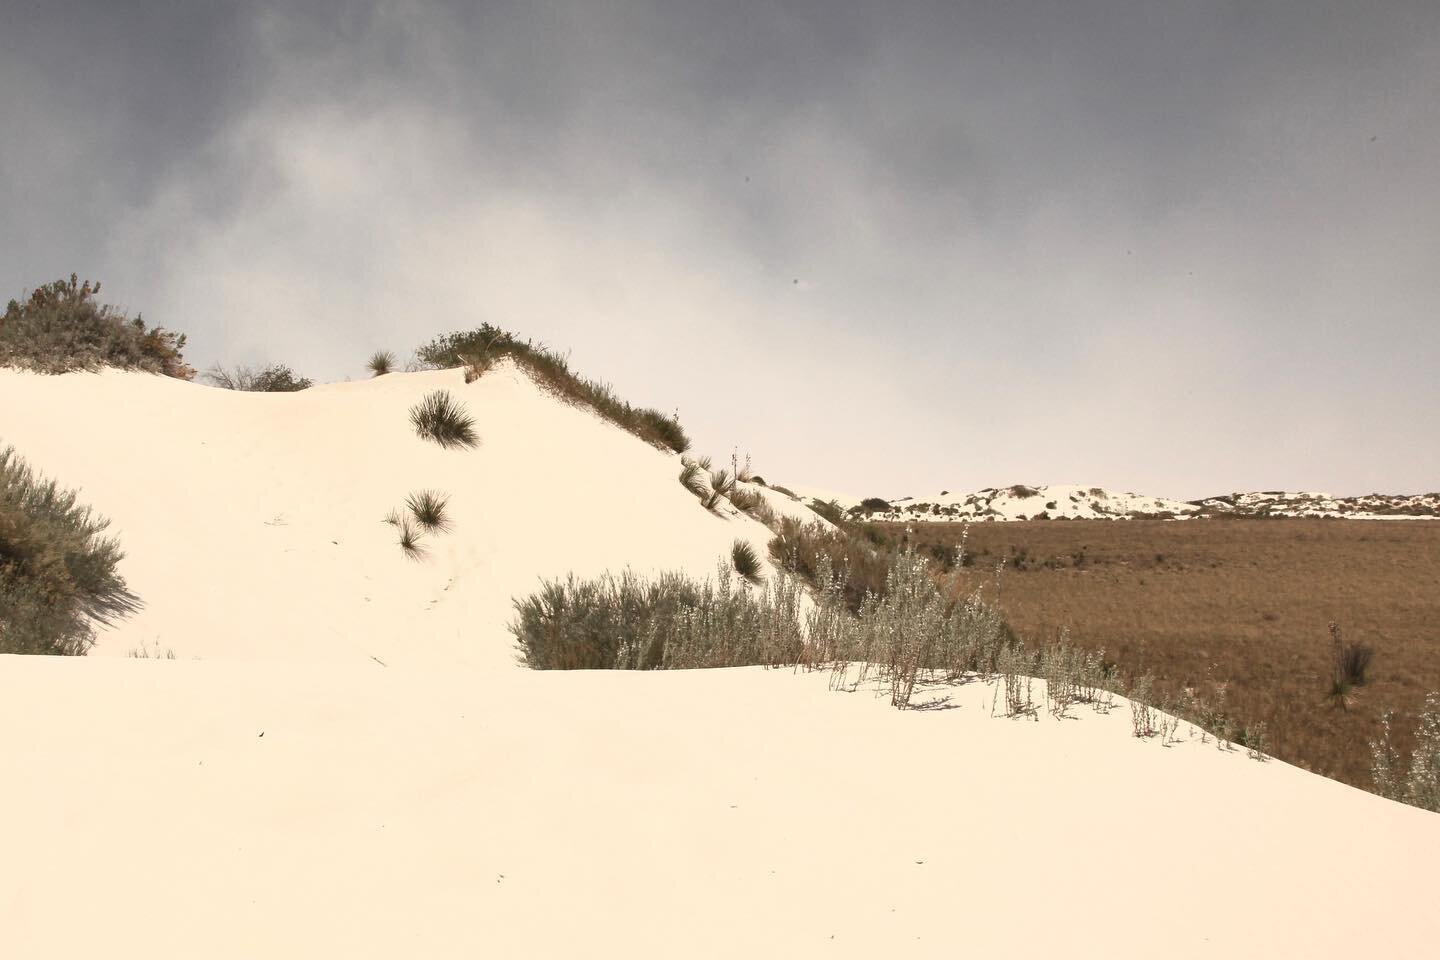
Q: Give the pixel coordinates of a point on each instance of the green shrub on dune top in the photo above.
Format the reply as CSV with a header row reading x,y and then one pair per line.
x,y
441,418
477,350
61,327
57,572
276,378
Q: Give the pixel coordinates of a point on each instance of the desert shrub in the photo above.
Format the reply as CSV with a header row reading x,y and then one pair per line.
x,y
380,363
57,572
441,418
801,547
276,378
428,509
779,489
829,509
746,562
873,505
61,327
1419,783
477,350
674,622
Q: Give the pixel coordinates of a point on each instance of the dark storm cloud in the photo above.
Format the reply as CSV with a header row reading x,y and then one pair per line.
x,y
1182,246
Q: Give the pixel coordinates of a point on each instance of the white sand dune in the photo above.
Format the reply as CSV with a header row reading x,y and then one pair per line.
x,y
285,795
253,523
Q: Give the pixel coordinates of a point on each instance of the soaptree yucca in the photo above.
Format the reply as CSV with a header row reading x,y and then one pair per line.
x,y
380,363
428,509
441,418
746,562
58,577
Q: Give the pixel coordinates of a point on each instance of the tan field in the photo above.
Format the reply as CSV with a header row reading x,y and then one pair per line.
x,y
1247,602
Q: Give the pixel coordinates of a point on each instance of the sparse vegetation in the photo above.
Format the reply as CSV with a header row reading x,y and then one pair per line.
x,y
746,562
440,417
380,363
1233,609
58,577
830,510
428,509
61,327
477,350
276,378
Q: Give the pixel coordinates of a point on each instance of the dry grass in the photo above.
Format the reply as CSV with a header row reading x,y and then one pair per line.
x,y
1245,602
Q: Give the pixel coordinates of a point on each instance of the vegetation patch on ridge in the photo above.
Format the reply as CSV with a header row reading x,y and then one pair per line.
x,y
61,327
477,350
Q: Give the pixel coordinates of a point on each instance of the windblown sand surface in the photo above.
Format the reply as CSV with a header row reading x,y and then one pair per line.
x,y
286,795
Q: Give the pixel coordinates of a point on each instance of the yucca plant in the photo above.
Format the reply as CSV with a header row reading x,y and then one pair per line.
x,y
746,562
428,509
410,540
441,418
393,518
692,479
1348,668
380,363
746,501
721,483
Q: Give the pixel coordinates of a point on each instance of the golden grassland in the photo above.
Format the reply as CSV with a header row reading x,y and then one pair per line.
x,y
1244,603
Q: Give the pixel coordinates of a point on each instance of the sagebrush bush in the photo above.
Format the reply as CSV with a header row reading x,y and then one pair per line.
x,y
1418,783
674,622
61,327
58,577
440,417
477,350
276,378
380,363
746,562
829,509
800,547
428,509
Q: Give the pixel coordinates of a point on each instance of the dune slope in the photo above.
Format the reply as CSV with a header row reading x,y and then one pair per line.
x,y
345,760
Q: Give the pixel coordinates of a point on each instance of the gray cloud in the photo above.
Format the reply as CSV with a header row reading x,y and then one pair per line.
x,y
1174,247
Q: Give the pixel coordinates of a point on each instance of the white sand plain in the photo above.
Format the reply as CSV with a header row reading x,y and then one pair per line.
x,y
278,792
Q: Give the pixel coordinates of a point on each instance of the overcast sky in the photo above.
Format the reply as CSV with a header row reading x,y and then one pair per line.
x,y
890,248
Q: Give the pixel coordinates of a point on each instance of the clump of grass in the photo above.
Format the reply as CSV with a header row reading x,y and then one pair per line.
x,y
1349,664
276,378
746,562
441,418
410,540
61,327
428,509
393,518
143,652
380,363
477,350
58,577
